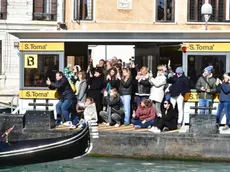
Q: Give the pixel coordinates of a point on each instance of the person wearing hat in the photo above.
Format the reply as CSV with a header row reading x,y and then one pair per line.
x,y
180,86
96,84
206,88
224,100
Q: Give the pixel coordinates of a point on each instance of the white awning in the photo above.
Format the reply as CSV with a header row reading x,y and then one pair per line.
x,y
123,36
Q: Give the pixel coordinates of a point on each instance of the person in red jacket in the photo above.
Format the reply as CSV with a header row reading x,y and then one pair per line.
x,y
145,115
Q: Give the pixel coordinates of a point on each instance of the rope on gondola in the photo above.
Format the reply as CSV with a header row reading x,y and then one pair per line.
x,y
7,132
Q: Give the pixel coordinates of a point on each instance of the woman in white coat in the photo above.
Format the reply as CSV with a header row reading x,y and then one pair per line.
x,y
157,89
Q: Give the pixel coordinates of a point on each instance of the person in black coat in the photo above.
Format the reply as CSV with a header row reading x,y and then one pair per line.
x,y
143,86
168,120
179,87
96,84
66,96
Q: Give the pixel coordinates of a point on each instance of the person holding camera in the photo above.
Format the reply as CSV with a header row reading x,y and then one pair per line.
x,y
224,102
206,88
143,86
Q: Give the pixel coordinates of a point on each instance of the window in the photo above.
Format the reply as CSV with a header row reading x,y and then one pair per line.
x,y
3,9
45,10
197,63
220,11
76,60
47,67
165,10
83,10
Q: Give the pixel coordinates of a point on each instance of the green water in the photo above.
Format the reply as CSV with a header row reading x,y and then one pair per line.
x,y
121,165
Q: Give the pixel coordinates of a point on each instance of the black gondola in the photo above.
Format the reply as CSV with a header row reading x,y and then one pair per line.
x,y
39,142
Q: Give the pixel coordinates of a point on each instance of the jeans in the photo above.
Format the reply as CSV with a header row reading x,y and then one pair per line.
x,y
226,107
157,107
145,125
126,101
115,118
75,119
140,98
62,108
204,103
180,105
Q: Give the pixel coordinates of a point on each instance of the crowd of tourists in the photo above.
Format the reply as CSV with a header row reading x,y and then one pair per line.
x,y
115,94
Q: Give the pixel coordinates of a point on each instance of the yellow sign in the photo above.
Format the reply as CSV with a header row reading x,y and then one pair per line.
x,y
31,61
207,47
193,97
41,46
38,94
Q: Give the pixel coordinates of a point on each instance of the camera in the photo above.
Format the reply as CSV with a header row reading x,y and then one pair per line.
x,y
132,59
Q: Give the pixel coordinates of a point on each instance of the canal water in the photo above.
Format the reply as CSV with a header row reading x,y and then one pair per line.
x,y
121,165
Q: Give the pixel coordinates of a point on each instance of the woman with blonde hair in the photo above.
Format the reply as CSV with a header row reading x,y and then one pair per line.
x,y
125,91
157,90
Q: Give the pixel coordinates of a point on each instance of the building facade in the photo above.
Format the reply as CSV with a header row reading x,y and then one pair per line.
x,y
153,16
148,15
161,19
22,15
156,29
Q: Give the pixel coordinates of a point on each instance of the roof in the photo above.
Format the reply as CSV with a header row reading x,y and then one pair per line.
x,y
124,36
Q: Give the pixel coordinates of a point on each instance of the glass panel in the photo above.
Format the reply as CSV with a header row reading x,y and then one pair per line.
x,y
86,9
47,67
160,14
197,63
218,8
75,60
222,10
172,54
165,11
45,10
192,10
200,3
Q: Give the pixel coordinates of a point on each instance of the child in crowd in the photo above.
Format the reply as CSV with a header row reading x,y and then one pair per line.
x,y
114,113
90,112
145,114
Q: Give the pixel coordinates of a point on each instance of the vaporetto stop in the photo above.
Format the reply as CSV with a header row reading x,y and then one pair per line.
x,y
35,94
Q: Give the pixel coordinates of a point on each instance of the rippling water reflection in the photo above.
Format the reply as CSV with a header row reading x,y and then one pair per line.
x,y
121,165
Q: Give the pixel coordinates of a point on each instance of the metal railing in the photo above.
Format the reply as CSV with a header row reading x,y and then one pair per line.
x,y
13,109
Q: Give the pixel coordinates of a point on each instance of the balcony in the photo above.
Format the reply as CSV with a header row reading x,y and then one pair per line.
x,y
44,16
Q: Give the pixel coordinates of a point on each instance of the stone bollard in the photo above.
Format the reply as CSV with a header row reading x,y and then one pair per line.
x,y
203,124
